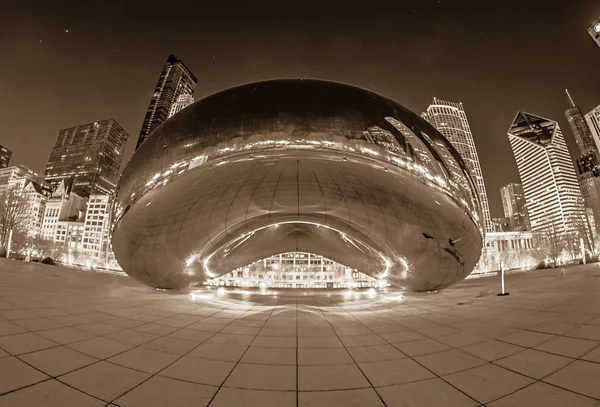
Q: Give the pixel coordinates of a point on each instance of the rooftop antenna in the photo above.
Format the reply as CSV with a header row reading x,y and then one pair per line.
x,y
570,98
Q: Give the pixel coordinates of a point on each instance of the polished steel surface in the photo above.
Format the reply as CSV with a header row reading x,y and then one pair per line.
x,y
303,165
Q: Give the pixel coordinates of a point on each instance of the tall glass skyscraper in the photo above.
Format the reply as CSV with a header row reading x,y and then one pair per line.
x,y
451,120
175,80
581,131
513,203
552,192
90,154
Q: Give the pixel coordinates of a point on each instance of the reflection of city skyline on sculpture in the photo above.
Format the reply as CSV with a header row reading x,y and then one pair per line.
x,y
297,165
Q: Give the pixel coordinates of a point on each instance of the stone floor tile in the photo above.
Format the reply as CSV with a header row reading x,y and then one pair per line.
x,y
15,374
4,354
162,391
553,327
461,339
218,352
526,339
171,345
262,377
99,347
405,336
315,332
37,324
320,343
450,361
270,356
131,337
570,347
146,360
228,397
49,393
338,377
375,353
591,332
203,371
580,376
425,393
345,398
99,328
274,342
25,343
592,356
394,372
542,394
230,339
65,335
362,340
57,361
104,380
534,363
10,328
421,347
492,349
190,335
488,382
331,356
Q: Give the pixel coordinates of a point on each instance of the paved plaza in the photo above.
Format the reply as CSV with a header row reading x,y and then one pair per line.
x,y
75,338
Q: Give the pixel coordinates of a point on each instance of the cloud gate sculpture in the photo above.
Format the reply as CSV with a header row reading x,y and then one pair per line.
x,y
297,165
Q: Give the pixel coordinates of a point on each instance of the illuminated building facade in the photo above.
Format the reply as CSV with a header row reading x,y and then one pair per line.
x,y
90,155
450,119
515,209
552,193
579,127
63,205
501,224
295,270
286,166
183,101
517,250
592,119
69,233
175,80
594,31
96,240
5,155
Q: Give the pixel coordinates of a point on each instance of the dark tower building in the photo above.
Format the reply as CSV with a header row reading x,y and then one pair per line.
x,y
91,155
581,131
175,80
5,155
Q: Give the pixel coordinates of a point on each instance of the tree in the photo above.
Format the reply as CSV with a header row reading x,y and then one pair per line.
x,y
13,206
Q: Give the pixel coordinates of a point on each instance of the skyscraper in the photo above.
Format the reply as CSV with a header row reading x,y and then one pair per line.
x,y
594,31
5,155
91,155
175,80
592,119
581,131
183,101
451,120
552,193
513,203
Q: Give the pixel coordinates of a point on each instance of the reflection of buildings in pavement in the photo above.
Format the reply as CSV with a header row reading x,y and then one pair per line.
x,y
295,270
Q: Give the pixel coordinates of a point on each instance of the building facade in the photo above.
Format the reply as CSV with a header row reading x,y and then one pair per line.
x,y
516,250
5,156
96,239
295,270
552,192
175,80
450,119
515,209
592,118
182,102
63,205
594,31
89,154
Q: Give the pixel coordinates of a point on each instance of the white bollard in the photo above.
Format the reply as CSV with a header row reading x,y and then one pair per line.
x,y
502,279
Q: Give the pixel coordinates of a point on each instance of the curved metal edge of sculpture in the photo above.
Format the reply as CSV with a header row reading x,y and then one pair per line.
x,y
297,165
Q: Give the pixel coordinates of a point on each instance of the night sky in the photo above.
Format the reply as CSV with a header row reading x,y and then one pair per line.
x,y
69,63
